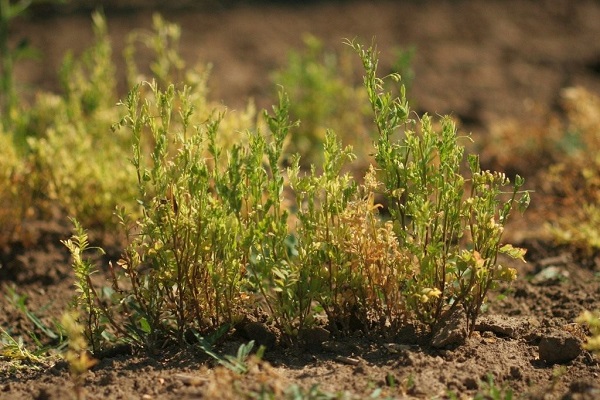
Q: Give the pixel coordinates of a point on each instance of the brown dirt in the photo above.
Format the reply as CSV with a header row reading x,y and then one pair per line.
x,y
481,60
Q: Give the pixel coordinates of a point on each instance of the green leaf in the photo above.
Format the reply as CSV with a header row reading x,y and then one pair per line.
x,y
144,325
517,253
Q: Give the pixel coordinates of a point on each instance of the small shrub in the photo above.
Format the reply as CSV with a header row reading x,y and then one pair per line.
x,y
451,226
323,96
573,183
592,320
87,298
211,223
79,165
214,240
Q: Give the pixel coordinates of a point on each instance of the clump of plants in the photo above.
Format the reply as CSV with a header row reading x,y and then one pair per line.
x,y
225,231
573,182
451,226
187,266
323,94
80,167
592,320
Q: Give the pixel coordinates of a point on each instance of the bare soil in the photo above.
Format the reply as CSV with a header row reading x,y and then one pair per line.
x,y
483,61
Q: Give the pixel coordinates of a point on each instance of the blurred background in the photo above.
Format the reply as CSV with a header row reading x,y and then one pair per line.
x,y
480,60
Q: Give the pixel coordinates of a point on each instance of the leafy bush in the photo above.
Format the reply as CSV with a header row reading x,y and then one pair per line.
x,y
204,222
573,182
453,242
592,320
323,96
215,241
79,165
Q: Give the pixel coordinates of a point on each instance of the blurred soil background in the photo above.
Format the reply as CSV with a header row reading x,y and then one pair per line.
x,y
481,61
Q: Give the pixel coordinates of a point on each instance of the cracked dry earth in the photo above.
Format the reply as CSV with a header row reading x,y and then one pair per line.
x,y
483,61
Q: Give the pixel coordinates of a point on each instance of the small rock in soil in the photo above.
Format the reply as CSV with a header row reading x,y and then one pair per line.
x,y
313,338
339,347
261,335
583,390
471,383
515,372
558,347
513,327
550,275
454,333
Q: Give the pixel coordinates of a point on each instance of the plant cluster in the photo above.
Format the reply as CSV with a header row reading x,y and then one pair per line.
x,y
573,183
451,226
592,320
60,154
323,95
225,230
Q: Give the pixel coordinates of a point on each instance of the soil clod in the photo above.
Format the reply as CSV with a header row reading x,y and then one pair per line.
x,y
454,333
559,347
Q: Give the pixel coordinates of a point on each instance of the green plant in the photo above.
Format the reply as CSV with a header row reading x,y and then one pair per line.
x,y
451,226
323,96
592,320
210,220
77,354
352,265
239,362
87,298
320,200
78,167
490,391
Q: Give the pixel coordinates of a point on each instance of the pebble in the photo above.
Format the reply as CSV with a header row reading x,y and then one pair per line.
x,y
454,333
559,347
261,335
